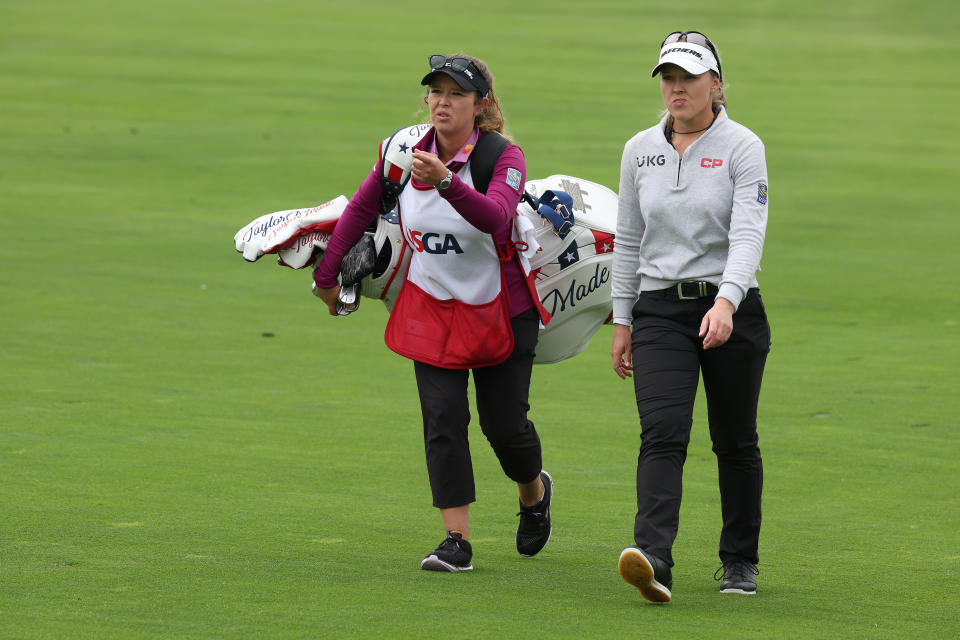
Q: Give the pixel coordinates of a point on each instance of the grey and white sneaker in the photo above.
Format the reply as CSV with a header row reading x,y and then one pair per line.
x,y
535,526
453,554
738,576
647,573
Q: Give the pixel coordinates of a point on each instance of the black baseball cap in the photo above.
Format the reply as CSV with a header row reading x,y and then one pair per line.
x,y
463,71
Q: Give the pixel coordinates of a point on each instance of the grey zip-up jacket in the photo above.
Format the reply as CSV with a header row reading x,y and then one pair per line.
x,y
699,217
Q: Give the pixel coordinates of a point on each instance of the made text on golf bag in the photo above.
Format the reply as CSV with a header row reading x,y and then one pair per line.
x,y
576,292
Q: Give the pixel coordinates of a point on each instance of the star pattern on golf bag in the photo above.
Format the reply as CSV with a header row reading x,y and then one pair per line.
x,y
569,256
603,241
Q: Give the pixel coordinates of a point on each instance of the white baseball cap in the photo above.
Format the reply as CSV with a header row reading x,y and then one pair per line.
x,y
692,57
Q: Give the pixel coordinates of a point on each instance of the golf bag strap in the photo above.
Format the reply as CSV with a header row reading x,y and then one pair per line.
x,y
489,148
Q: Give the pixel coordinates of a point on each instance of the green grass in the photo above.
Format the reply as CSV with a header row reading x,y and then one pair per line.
x,y
168,471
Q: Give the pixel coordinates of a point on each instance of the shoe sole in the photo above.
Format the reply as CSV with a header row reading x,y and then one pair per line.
x,y
433,563
549,533
740,591
637,570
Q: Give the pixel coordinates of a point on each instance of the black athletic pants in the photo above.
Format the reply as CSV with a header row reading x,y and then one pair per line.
x,y
668,357
502,393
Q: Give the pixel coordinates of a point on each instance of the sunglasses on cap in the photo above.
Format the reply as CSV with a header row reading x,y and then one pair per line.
x,y
694,37
465,66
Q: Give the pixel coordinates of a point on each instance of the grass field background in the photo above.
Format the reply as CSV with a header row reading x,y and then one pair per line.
x,y
168,471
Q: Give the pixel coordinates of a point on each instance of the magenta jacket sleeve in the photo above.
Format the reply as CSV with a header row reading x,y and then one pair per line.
x,y
359,214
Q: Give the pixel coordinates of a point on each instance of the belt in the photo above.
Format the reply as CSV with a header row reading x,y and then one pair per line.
x,y
689,290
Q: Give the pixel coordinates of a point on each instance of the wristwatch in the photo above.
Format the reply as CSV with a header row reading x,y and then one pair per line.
x,y
446,181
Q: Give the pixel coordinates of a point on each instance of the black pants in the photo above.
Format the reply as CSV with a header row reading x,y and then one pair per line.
x,y
502,393
668,357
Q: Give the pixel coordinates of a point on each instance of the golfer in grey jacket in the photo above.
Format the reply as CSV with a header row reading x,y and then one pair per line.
x,y
690,231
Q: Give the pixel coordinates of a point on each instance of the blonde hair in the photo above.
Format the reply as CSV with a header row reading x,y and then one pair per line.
x,y
490,118
720,96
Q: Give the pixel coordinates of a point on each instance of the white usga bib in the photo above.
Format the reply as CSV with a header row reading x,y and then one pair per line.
x,y
451,259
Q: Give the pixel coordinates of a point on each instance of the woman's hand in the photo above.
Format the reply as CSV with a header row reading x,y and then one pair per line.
x,y
717,324
329,296
622,351
427,168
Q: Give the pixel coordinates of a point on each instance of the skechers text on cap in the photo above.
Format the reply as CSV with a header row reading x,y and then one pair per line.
x,y
689,56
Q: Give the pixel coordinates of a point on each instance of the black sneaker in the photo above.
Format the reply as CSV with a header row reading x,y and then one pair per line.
x,y
738,576
648,574
534,529
453,554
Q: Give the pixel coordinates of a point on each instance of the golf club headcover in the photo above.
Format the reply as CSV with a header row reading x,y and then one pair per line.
x,y
397,154
359,261
302,250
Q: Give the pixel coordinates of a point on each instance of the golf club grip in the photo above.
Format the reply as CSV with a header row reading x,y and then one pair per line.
x,y
530,199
